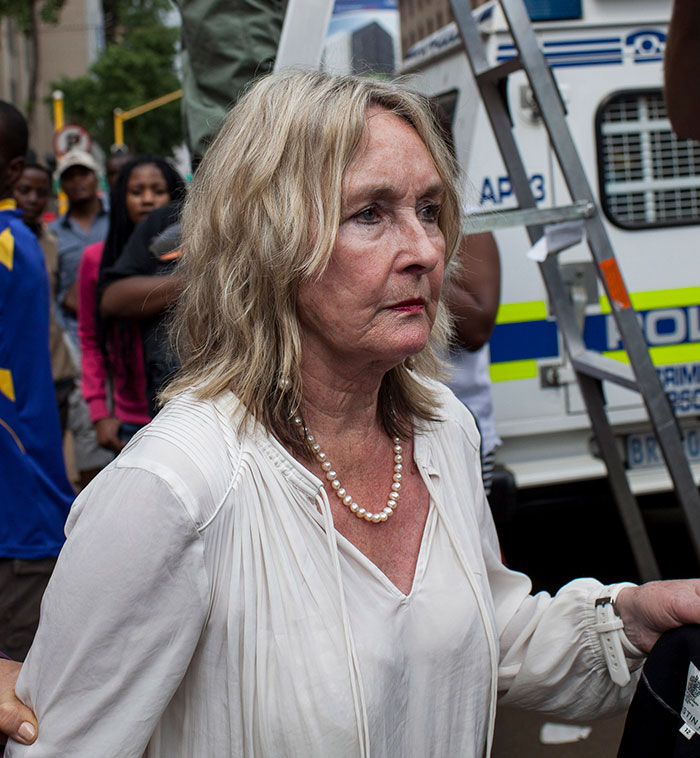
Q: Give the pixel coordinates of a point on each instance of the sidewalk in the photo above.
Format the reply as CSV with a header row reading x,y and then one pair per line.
x,y
518,736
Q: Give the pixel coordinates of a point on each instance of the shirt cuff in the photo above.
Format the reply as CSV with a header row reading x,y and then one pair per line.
x,y
98,409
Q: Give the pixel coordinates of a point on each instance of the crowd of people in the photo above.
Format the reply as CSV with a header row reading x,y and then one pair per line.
x,y
86,376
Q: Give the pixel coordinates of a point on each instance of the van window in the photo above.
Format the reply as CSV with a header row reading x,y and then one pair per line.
x,y
647,176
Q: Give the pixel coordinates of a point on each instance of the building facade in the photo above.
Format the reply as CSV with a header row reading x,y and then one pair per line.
x,y
64,49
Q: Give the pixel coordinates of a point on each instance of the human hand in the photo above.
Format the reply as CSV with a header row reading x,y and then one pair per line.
x,y
16,720
651,609
108,433
70,301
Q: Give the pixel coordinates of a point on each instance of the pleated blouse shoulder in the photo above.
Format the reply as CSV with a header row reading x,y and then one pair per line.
x,y
194,446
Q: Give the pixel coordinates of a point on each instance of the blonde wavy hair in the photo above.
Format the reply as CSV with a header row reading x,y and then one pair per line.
x,y
262,216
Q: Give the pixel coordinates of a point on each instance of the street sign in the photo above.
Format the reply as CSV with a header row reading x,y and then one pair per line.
x,y
71,136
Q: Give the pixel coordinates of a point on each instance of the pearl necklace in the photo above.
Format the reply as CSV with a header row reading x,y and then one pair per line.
x,y
341,492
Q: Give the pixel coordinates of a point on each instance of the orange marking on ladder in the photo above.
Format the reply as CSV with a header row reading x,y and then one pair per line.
x,y
616,287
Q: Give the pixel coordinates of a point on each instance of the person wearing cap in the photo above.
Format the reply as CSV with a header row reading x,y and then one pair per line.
x,y
85,223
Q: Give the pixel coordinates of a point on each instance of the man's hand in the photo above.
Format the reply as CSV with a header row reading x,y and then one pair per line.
x,y
653,608
70,301
16,720
108,433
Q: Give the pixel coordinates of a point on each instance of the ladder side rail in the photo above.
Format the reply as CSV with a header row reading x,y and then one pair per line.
x,y
660,413
591,391
496,109
471,36
594,400
546,93
627,506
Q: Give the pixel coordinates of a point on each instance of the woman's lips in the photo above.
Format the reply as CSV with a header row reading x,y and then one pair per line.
x,y
409,306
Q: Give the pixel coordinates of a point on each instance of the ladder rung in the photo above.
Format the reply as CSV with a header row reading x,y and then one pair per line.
x,y
489,220
500,71
598,366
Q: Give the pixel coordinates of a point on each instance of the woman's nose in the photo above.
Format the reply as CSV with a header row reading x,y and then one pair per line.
x,y
422,248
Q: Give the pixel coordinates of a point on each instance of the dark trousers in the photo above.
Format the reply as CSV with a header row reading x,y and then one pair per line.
x,y
63,388
22,585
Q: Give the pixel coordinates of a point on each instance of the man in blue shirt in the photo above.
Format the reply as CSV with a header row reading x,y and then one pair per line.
x,y
85,222
35,495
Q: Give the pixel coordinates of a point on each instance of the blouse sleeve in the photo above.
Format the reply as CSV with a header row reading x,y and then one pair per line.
x,y
551,659
120,620
93,369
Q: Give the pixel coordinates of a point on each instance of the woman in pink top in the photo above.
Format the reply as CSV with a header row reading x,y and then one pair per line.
x,y
113,378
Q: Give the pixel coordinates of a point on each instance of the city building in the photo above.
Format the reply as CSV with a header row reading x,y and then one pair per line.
x,y
64,49
372,50
419,18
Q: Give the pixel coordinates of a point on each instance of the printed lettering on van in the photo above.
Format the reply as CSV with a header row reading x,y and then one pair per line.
x,y
494,190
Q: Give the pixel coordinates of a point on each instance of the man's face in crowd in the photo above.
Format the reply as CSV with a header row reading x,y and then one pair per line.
x,y
79,183
113,166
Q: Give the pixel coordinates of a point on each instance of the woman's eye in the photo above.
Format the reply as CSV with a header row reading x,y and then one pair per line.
x,y
430,213
368,215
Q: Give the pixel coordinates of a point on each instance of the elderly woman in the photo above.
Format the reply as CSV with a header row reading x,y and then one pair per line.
x,y
296,557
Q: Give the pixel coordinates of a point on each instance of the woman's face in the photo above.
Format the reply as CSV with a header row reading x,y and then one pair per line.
x,y
146,190
32,192
376,302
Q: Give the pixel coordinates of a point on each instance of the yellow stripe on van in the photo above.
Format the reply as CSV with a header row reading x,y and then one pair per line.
x,y
509,370
664,355
509,313
617,355
645,301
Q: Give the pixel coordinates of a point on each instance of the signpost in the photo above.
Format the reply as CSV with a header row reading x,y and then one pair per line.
x,y
71,136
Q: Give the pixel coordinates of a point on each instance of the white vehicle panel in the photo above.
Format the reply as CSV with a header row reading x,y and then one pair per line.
x,y
600,62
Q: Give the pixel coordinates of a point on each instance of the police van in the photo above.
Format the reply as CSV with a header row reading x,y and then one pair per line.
x,y
607,58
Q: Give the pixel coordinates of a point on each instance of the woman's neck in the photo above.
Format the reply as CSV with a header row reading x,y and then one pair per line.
x,y
337,405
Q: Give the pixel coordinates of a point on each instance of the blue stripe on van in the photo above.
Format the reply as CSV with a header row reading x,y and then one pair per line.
x,y
521,340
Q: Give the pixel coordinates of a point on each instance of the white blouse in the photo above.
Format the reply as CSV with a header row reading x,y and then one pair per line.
x,y
204,605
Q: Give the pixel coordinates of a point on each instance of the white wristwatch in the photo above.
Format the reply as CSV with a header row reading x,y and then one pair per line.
x,y
612,637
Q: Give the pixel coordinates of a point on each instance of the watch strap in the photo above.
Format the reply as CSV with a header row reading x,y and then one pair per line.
x,y
613,640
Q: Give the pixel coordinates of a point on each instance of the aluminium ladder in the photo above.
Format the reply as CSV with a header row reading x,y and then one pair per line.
x,y
590,367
